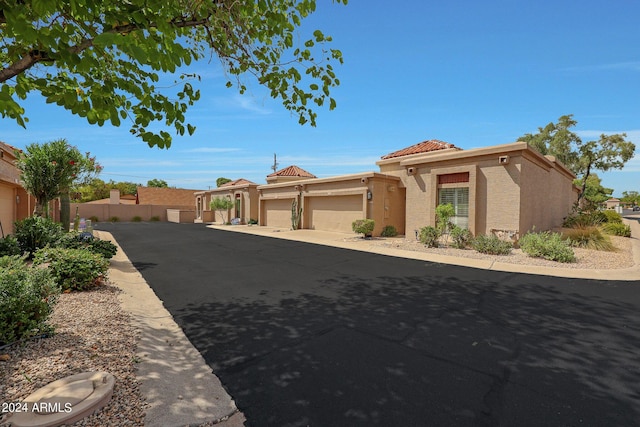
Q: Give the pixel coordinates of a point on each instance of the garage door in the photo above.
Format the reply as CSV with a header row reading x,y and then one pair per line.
x,y
7,203
277,213
334,213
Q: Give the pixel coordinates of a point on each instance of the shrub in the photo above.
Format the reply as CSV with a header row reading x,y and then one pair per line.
x,y
114,219
75,240
461,237
429,236
253,221
585,219
27,297
547,245
36,232
363,226
491,245
137,219
589,237
9,246
617,229
94,218
73,269
389,231
444,213
612,216
154,218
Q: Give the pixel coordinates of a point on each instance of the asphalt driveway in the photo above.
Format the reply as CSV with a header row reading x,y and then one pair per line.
x,y
303,334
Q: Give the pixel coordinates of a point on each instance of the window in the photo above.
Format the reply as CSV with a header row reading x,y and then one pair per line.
x,y
459,198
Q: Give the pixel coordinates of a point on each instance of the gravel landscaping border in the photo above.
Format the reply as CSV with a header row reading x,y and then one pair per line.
x,y
93,333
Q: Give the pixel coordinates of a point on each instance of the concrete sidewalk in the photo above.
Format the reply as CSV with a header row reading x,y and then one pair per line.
x,y
350,241
179,387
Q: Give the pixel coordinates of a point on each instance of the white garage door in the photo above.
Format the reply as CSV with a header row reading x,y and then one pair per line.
x,y
277,213
7,204
334,213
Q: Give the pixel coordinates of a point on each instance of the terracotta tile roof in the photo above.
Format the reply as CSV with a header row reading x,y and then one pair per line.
x,y
240,181
293,170
422,147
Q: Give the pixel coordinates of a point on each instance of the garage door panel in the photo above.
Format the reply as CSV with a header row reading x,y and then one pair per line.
x,y
334,213
277,213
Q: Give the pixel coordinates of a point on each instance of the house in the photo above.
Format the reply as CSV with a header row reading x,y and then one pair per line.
x,y
612,203
333,203
504,189
15,202
244,195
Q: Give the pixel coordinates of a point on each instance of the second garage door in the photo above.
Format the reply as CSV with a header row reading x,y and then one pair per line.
x,y
334,213
277,213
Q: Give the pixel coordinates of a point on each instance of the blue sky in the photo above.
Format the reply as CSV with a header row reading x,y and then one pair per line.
x,y
470,73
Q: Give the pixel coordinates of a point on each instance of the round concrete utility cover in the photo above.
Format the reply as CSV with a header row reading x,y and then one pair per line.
x,y
64,401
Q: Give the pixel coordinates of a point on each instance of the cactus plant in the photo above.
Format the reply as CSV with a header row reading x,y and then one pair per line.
x,y
296,214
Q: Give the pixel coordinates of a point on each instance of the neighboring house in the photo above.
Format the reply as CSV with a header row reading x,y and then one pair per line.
x,y
244,194
505,189
15,203
333,203
612,203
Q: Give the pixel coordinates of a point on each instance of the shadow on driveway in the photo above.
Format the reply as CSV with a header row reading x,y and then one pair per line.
x,y
309,335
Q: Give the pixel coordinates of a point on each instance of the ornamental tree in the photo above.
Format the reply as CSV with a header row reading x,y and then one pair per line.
x,y
582,158
48,170
103,59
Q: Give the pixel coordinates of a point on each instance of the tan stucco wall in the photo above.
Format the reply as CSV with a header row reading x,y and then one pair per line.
x,y
248,204
104,212
334,203
527,190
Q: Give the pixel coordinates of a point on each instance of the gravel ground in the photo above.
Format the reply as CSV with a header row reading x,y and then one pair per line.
x,y
92,334
585,258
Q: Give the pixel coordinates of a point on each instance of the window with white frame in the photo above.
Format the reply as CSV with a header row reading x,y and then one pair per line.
x,y
459,198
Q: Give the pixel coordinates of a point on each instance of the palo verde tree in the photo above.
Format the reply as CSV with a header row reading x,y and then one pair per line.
x,y
48,171
102,59
157,183
582,158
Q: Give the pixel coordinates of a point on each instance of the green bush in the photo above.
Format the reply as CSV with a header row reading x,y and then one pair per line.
x,y
114,219
429,236
444,213
589,237
389,231
491,245
612,216
547,245
9,246
154,218
585,219
363,226
27,297
461,237
36,232
617,229
137,219
253,221
73,269
93,219
75,240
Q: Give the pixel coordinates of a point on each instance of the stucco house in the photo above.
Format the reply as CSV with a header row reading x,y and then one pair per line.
x,y
243,193
15,202
505,189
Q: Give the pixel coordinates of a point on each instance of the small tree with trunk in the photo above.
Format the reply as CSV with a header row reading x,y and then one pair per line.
x,y
48,170
222,206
